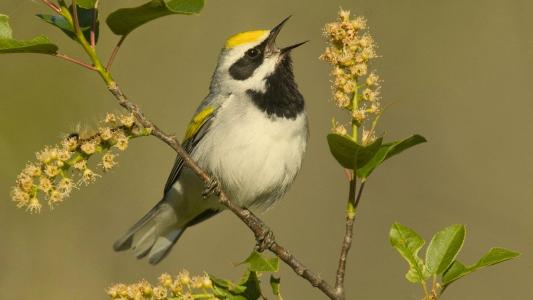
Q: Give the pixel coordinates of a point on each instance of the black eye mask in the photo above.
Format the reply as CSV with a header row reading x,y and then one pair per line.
x,y
248,63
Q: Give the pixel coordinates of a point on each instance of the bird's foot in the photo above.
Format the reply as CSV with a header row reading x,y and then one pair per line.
x,y
265,239
211,188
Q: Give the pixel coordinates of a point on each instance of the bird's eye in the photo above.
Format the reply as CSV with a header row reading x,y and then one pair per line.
x,y
253,53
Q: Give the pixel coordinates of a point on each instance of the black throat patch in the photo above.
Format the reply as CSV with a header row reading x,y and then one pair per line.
x,y
282,98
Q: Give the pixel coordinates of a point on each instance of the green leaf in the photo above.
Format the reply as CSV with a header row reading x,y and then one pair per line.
x,y
258,263
408,243
39,44
85,19
454,272
350,154
275,283
387,151
443,248
226,289
494,256
87,4
252,286
248,287
125,20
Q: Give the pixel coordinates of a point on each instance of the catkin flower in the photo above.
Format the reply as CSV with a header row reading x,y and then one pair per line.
x,y
53,176
108,161
45,184
34,206
160,293
20,197
350,50
166,280
25,182
106,133
51,170
121,141
70,143
88,176
65,185
127,120
110,118
184,286
88,147
32,170
184,277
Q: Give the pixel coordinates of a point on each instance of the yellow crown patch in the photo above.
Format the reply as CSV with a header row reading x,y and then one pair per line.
x,y
245,37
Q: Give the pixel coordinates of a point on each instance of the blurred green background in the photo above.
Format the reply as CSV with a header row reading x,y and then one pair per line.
x,y
458,72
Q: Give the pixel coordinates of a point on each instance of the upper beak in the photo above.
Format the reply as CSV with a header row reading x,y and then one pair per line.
x,y
271,40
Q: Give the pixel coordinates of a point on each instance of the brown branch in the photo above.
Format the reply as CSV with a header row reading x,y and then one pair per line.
x,y
353,203
262,233
115,52
76,61
52,6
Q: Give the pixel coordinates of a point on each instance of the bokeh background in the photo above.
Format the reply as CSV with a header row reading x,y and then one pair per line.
x,y
458,72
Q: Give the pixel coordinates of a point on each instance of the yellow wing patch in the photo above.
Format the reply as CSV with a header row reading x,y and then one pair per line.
x,y
197,122
245,37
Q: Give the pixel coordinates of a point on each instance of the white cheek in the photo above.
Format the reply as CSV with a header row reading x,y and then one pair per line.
x,y
256,81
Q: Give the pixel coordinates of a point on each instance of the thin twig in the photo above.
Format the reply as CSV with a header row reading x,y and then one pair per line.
x,y
353,199
76,61
93,25
75,17
52,6
361,188
347,241
114,53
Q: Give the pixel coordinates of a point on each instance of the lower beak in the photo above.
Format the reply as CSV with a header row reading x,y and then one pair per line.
x,y
271,39
287,49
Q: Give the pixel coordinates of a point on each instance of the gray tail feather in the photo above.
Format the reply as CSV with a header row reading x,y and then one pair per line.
x,y
146,238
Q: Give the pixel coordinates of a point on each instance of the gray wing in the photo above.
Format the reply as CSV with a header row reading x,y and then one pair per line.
x,y
188,145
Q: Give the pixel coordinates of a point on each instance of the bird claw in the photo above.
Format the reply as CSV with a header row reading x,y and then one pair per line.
x,y
211,188
265,240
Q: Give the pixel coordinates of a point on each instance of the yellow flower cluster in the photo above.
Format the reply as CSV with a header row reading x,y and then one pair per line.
x,y
354,88
61,168
182,286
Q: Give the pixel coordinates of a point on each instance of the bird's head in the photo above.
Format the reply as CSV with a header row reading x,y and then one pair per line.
x,y
249,58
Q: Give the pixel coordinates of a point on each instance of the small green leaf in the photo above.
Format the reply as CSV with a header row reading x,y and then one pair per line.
x,y
125,20
443,248
258,263
408,243
85,19
454,272
226,289
39,44
252,286
275,283
350,154
386,151
494,256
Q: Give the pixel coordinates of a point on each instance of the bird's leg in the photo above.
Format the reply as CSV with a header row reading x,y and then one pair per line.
x,y
264,239
211,188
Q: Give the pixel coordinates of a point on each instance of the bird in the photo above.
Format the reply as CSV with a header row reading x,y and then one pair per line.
x,y
250,134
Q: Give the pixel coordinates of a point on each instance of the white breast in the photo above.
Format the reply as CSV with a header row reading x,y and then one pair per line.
x,y
254,156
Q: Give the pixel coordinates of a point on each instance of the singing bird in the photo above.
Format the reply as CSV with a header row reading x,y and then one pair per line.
x,y
250,134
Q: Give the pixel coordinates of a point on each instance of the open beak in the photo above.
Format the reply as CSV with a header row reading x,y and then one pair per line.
x,y
271,40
